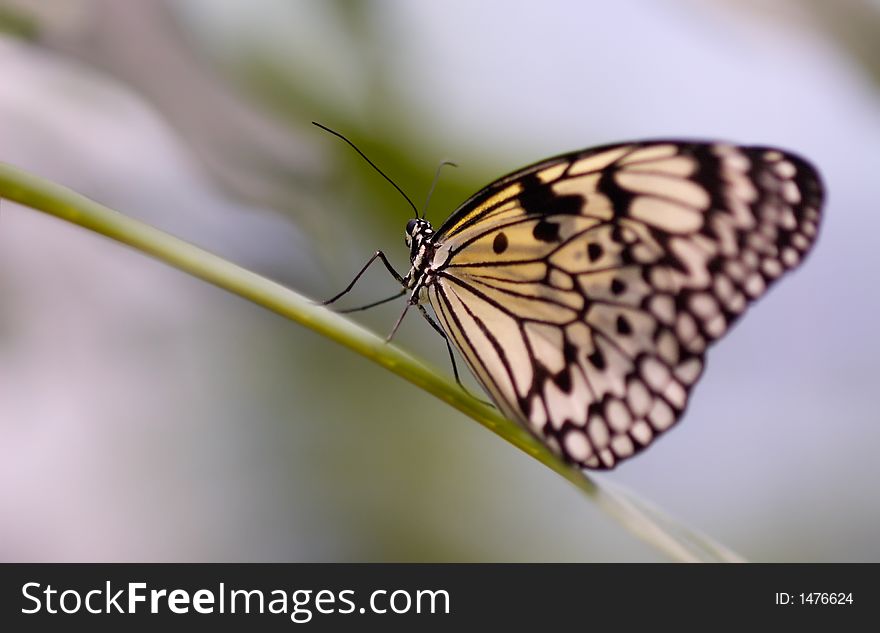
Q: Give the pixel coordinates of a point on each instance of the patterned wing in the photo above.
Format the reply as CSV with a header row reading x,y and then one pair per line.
x,y
583,291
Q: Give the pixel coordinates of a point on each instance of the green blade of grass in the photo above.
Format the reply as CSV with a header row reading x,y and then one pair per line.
x,y
640,518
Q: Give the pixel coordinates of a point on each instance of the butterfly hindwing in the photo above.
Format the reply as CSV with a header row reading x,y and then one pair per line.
x,y
583,291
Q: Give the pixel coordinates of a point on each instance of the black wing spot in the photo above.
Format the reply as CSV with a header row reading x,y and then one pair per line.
x,y
563,380
594,251
538,199
623,326
618,287
597,358
546,231
716,264
500,243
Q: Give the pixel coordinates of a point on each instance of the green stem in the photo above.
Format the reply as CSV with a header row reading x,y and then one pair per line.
x,y
669,537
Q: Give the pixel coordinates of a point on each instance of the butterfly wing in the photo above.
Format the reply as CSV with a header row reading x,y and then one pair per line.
x,y
584,290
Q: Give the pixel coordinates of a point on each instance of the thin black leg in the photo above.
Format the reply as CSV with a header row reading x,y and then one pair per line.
x,y
399,321
396,295
378,254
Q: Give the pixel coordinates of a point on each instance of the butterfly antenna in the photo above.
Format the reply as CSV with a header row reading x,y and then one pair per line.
x,y
371,163
434,184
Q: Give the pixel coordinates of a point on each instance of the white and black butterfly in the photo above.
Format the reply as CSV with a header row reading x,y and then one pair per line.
x,y
583,291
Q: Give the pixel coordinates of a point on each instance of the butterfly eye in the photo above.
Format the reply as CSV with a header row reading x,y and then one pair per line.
x,y
410,226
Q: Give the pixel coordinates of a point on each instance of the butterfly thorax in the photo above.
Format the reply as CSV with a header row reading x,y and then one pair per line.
x,y
419,237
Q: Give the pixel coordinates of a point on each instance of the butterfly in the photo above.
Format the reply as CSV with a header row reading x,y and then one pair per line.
x,y
584,290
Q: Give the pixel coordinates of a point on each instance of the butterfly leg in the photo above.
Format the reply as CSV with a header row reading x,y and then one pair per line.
x,y
396,295
377,255
399,321
451,355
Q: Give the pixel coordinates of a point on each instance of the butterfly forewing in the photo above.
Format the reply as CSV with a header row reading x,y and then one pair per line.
x,y
584,290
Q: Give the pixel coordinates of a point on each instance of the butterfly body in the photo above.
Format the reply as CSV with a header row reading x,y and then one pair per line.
x,y
583,291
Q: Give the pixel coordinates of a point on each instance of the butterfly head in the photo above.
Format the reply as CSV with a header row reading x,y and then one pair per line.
x,y
418,234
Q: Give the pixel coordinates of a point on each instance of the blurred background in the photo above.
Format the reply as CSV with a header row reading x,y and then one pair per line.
x,y
147,416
